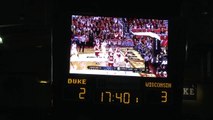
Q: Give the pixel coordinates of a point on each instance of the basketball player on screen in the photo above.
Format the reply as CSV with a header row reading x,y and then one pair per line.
x,y
74,49
103,49
111,59
97,50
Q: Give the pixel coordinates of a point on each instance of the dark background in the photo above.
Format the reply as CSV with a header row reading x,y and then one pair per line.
x,y
26,27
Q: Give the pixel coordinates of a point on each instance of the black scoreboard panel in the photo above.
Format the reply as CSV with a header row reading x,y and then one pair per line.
x,y
95,96
118,98
117,91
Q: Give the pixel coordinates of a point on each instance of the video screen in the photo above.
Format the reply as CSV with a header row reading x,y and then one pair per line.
x,y
118,46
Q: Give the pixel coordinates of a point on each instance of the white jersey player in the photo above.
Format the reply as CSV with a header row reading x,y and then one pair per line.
x,y
74,49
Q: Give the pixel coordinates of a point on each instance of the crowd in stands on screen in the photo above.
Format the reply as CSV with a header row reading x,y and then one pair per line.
x,y
113,28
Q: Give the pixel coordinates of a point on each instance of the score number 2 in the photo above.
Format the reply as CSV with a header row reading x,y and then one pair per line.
x,y
82,93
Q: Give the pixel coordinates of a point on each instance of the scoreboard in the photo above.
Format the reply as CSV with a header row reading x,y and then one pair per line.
x,y
124,92
87,84
119,98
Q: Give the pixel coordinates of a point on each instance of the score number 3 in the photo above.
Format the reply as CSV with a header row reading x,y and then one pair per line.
x,y
163,96
82,93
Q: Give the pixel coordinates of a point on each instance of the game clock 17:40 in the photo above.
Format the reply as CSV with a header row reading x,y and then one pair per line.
x,y
124,97
129,97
